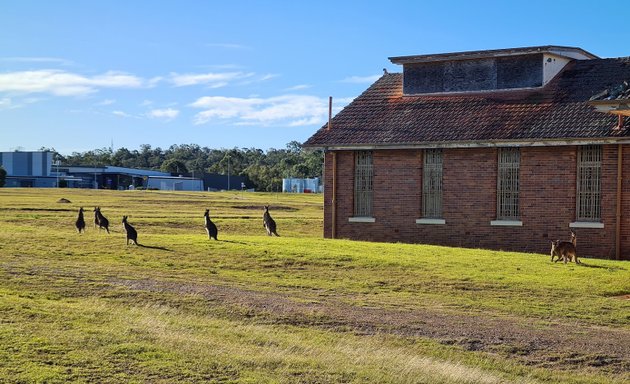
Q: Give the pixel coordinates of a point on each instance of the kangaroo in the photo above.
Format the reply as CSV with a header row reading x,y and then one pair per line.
x,y
269,223
132,234
211,228
100,220
567,250
96,209
80,223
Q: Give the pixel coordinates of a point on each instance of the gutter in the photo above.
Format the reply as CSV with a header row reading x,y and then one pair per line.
x,y
476,144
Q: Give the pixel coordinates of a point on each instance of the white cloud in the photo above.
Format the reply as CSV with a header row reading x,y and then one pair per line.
x,y
212,80
106,102
258,79
6,103
288,110
53,60
32,100
122,114
343,101
361,79
314,120
167,114
269,76
9,103
62,83
298,87
153,82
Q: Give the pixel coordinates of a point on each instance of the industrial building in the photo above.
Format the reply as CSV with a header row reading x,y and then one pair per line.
x,y
297,185
36,169
28,169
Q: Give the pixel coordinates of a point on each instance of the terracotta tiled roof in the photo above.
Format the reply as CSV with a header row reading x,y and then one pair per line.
x,y
382,116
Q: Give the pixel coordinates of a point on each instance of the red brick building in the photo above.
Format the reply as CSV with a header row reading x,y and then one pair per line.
x,y
504,149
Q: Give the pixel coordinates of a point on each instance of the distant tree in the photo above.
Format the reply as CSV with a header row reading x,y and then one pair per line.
x,y
294,146
262,170
197,166
3,176
174,166
123,158
57,157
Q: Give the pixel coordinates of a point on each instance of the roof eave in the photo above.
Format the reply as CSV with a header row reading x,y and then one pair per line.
x,y
471,55
475,144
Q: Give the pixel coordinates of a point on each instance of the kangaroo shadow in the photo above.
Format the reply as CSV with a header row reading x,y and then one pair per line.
x,y
153,247
582,264
234,242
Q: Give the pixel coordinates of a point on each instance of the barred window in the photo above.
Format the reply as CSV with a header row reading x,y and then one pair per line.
x,y
432,184
589,183
363,190
507,184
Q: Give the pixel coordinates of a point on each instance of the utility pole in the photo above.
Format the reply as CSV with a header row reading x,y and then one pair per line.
x,y
57,162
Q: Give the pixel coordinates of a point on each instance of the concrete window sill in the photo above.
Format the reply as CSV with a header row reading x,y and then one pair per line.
x,y
586,224
431,221
507,223
362,220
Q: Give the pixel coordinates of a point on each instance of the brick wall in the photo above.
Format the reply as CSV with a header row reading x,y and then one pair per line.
x,y
547,200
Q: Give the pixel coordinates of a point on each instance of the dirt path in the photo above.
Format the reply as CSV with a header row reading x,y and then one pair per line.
x,y
557,346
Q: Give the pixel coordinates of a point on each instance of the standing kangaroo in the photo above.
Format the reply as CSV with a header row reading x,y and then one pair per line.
x,y
132,234
211,228
80,223
100,220
96,209
567,250
269,223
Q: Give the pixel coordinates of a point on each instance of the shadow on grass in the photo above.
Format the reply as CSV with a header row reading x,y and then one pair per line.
x,y
234,242
582,264
152,247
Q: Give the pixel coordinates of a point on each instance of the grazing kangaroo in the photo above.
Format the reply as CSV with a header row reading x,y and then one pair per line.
x,y
269,223
80,223
567,250
211,228
132,234
100,220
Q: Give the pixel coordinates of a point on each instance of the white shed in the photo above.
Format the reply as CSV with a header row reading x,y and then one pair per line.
x,y
169,183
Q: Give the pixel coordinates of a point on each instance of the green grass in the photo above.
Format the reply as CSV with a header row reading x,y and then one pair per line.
x,y
253,308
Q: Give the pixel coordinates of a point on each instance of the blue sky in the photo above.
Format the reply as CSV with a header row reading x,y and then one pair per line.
x,y
77,75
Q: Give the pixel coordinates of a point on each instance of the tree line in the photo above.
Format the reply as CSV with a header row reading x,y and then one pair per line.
x,y
261,170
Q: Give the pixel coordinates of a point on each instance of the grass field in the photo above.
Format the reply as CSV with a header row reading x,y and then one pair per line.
x,y
297,308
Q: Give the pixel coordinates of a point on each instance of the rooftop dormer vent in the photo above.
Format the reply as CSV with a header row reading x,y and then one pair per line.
x,y
485,70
